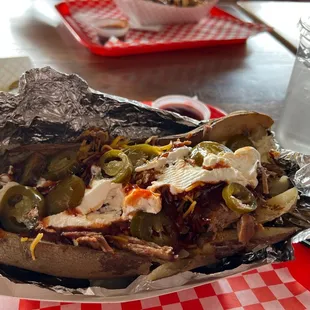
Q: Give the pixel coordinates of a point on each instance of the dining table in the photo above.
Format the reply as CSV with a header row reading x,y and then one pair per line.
x,y
284,22
249,76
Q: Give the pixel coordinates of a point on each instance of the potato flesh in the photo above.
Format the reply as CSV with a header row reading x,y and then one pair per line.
x,y
237,123
70,261
225,244
277,206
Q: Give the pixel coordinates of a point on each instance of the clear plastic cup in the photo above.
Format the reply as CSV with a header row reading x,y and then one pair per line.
x,y
293,130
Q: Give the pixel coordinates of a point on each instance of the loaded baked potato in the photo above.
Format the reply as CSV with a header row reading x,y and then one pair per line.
x,y
103,207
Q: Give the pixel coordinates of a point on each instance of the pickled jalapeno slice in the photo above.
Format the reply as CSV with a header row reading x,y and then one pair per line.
x,y
238,198
21,207
67,194
116,164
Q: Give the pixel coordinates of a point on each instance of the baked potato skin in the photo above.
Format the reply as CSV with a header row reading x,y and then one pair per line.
x,y
70,261
236,123
78,262
221,129
84,263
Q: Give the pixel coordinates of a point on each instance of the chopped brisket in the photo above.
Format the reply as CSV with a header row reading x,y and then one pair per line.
x,y
141,247
246,228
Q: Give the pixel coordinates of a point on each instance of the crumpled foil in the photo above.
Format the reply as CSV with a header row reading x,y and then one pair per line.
x,y
53,107
298,168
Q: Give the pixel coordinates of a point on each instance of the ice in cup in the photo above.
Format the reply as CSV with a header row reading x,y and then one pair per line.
x,y
293,131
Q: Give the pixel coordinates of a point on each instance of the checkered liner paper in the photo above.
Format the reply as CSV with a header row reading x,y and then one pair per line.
x,y
268,287
211,28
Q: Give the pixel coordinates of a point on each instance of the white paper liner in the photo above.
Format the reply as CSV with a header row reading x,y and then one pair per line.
x,y
149,13
137,290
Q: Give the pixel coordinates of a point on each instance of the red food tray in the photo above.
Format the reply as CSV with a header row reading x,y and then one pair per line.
x,y
219,28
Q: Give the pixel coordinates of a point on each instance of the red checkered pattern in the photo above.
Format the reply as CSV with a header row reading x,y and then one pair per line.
x,y
268,287
212,28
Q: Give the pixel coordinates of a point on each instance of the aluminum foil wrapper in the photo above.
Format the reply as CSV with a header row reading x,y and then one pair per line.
x,y
53,107
298,168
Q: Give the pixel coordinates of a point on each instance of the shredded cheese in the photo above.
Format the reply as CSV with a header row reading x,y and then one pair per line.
x,y
120,239
119,141
190,209
188,198
180,207
24,239
196,184
185,199
34,243
115,142
166,147
75,243
149,140
260,227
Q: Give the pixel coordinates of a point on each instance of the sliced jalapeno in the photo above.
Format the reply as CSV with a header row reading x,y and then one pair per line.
x,y
237,142
116,164
21,207
67,194
238,198
62,165
140,153
33,169
206,147
157,228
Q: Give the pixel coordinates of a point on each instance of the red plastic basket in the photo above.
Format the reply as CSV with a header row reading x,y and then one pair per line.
x,y
219,28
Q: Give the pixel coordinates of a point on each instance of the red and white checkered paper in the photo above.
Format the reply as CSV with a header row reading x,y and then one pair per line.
x,y
268,287
215,27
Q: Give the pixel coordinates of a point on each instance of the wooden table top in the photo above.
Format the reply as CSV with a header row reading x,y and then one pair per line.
x,y
249,76
282,16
